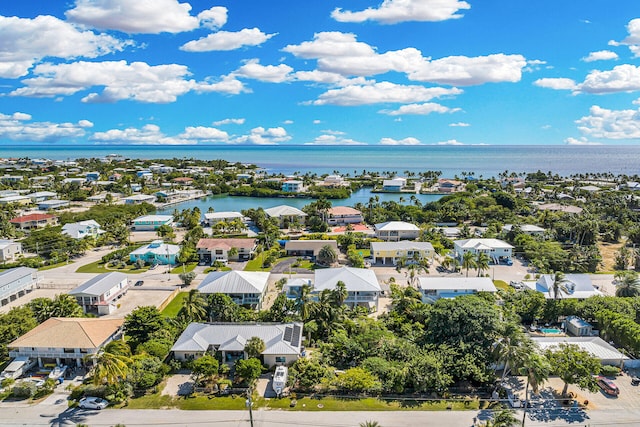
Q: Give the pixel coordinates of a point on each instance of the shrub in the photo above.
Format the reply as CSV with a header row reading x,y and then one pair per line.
x,y
24,389
609,371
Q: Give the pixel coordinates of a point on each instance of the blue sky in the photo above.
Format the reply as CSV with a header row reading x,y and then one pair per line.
x,y
397,72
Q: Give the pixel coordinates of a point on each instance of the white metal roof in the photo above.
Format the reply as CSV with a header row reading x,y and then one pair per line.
x,y
99,284
402,245
482,244
396,225
480,284
594,345
283,210
234,282
355,279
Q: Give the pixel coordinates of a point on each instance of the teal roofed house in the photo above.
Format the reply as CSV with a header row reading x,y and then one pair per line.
x,y
151,222
156,252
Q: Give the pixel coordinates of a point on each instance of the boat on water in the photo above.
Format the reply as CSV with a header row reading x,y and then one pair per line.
x,y
280,379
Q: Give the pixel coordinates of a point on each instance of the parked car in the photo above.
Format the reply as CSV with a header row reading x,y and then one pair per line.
x,y
92,403
139,283
635,381
608,386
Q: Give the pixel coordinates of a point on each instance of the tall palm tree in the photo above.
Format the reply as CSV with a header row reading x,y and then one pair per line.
x,y
468,261
111,364
339,294
370,424
537,370
512,348
628,284
303,302
194,307
482,262
559,285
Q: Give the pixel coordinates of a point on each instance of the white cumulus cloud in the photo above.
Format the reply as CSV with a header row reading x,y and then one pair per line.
x,y
227,40
405,141
19,127
239,121
143,16
633,39
394,11
559,83
334,139
204,134
610,124
449,142
420,109
262,136
25,42
147,135
267,73
601,55
459,125
580,141
382,92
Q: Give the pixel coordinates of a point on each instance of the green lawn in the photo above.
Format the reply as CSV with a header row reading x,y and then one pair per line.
x,y
52,266
187,268
98,267
501,284
172,309
256,264
210,269
157,401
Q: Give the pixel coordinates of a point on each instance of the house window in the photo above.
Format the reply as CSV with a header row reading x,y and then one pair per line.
x,y
281,360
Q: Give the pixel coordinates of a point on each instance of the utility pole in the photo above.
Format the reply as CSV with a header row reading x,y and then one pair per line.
x,y
249,404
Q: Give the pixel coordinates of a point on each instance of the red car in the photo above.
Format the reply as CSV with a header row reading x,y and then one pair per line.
x,y
608,386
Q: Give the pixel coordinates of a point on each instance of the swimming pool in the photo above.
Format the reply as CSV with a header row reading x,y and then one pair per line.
x,y
551,331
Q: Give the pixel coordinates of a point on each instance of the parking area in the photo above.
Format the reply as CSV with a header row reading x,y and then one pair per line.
x,y
140,296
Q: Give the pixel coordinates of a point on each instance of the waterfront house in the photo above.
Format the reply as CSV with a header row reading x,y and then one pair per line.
x,y
138,199
575,286
212,218
334,181
156,252
66,341
36,220
211,250
394,185
497,250
16,282
450,185
286,215
362,285
82,229
293,186
342,215
9,250
100,294
391,252
151,222
308,248
183,180
283,341
393,231
243,287
434,288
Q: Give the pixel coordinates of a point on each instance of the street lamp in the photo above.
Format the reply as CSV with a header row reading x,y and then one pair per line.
x,y
248,403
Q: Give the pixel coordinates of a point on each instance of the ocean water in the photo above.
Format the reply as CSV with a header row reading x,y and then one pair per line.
x,y
487,160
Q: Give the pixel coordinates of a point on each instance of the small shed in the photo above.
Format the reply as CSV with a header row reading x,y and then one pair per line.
x,y
579,327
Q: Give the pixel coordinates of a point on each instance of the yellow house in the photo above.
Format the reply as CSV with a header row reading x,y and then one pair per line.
x,y
391,252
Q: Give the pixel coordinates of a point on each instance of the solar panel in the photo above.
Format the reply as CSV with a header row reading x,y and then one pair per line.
x,y
295,339
287,333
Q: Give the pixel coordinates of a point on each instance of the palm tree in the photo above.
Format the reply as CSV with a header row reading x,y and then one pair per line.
x,y
628,284
303,302
111,364
194,307
512,348
482,262
370,424
559,285
537,370
503,418
232,253
339,294
327,255
468,261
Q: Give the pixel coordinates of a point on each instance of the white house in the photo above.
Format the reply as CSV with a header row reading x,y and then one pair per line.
x,y
151,222
342,215
395,184
244,287
9,250
394,231
286,215
16,282
82,229
497,250
138,199
530,229
69,341
283,341
362,285
215,217
434,288
575,285
391,252
599,348
99,294
293,186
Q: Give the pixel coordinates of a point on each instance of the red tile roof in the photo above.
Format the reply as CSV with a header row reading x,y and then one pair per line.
x,y
31,217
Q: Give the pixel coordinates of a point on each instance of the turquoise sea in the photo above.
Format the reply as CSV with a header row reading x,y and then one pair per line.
x,y
487,160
